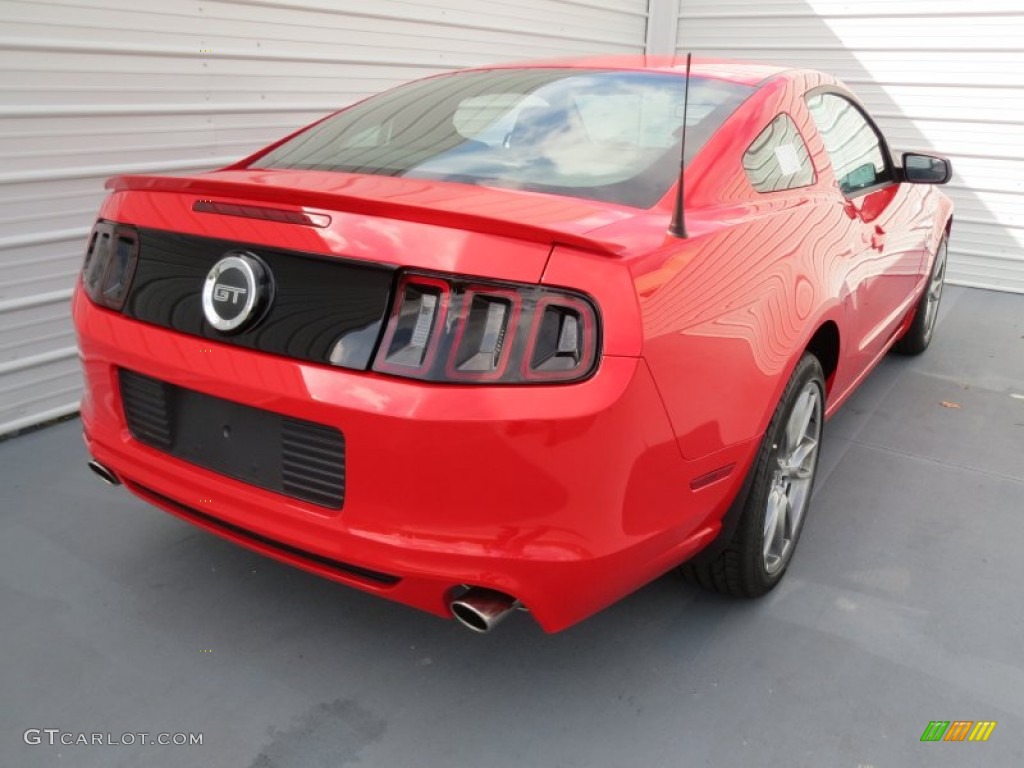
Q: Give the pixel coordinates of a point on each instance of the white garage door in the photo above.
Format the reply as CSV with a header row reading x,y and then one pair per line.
x,y
92,88
945,75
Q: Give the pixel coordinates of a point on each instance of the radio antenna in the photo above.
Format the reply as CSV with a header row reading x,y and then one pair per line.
x,y
678,226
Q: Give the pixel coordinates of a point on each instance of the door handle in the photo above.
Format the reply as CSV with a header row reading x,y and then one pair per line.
x,y
878,239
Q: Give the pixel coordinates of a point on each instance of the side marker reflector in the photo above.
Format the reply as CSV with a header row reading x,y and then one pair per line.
x,y
711,477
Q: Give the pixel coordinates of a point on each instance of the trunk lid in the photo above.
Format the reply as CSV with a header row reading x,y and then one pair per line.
x,y
525,216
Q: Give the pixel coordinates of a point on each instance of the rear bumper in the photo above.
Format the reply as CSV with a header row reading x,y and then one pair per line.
x,y
566,497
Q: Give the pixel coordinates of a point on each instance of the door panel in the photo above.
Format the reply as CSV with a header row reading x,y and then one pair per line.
x,y
887,258
892,249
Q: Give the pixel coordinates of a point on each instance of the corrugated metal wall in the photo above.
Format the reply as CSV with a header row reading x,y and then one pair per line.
x,y
92,88
946,75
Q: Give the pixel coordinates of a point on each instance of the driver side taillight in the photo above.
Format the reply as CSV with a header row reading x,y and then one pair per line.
x,y
460,330
110,261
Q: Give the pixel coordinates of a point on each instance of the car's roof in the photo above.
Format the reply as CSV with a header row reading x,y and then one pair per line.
x,y
743,72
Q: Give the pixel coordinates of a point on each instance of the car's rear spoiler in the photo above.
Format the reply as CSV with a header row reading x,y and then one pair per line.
x,y
207,188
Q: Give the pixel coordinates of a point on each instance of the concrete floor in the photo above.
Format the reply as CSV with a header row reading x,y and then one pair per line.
x,y
903,605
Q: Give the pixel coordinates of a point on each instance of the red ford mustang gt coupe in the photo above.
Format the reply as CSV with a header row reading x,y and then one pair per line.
x,y
467,345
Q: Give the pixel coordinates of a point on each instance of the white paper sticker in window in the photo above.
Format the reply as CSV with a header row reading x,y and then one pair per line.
x,y
789,160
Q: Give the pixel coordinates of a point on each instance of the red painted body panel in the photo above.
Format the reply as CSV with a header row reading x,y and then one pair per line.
x,y
566,496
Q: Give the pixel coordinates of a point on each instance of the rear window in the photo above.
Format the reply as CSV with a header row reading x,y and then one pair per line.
x,y
611,136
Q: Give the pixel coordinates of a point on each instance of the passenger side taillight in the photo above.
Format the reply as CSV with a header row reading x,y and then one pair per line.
x,y
110,263
452,329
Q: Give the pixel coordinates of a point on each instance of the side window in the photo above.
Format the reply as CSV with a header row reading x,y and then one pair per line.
x,y
778,158
851,142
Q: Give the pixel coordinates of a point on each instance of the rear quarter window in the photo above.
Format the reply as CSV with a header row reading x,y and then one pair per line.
x,y
778,158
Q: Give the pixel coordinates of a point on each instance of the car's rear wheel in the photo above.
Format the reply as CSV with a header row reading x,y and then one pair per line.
x,y
773,514
919,334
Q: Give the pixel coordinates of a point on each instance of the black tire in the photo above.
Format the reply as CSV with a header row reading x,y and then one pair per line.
x,y
919,334
740,569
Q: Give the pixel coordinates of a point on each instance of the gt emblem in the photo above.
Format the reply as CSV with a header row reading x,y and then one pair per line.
x,y
236,291
227,293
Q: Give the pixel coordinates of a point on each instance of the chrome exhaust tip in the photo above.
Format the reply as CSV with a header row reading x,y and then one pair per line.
x,y
481,610
103,473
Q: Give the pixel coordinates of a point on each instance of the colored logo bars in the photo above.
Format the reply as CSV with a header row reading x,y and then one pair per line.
x,y
958,730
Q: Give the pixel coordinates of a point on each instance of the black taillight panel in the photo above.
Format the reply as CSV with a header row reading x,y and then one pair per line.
x,y
452,329
110,261
438,327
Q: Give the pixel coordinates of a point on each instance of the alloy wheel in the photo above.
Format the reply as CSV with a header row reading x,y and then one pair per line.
x,y
792,477
931,307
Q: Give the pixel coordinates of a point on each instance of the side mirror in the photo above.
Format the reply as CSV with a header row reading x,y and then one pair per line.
x,y
926,169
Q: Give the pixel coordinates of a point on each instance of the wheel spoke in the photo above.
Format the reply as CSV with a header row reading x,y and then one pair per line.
x,y
938,278
803,473
799,419
798,460
771,522
782,530
937,285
